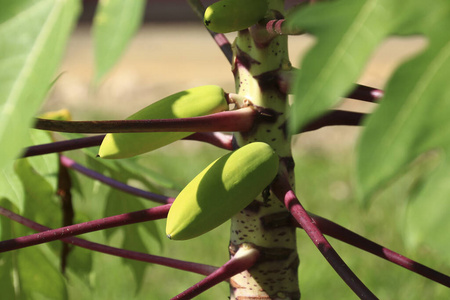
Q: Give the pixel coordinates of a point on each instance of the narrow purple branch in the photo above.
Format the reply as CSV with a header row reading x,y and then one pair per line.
x,y
239,263
284,192
69,163
345,235
154,213
366,93
334,118
237,120
220,39
217,139
278,27
129,254
61,146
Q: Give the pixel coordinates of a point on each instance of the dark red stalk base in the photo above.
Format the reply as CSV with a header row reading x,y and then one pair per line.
x,y
76,229
129,254
284,192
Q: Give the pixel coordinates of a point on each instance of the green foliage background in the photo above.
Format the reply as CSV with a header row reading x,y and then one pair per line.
x,y
400,175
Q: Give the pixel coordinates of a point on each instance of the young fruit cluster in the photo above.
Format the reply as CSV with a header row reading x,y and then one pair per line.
x,y
233,15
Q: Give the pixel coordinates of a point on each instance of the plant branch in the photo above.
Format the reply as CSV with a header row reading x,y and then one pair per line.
x,y
366,93
220,39
334,118
244,259
237,120
61,146
129,254
284,193
69,163
347,236
154,213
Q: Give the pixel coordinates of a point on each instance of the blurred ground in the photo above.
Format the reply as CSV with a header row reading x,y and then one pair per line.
x,y
165,58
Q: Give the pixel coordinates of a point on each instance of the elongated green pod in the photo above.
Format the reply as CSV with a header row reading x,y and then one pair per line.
x,y
195,102
234,15
222,189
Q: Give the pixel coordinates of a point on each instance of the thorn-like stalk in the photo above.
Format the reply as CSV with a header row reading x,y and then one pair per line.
x,y
129,254
334,118
69,163
283,191
244,259
150,214
237,120
73,144
220,39
347,236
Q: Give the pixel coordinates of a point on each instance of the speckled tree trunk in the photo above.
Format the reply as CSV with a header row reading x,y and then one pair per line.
x,y
258,61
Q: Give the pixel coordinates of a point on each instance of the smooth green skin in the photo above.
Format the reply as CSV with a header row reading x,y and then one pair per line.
x,y
195,102
221,190
233,15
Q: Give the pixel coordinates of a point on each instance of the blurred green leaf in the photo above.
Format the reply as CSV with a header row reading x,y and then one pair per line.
x,y
38,276
347,32
33,35
115,23
11,187
413,116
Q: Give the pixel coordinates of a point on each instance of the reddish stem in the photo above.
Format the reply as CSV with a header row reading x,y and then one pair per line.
x,y
283,191
129,254
217,139
61,146
343,234
154,213
239,263
334,118
238,120
69,163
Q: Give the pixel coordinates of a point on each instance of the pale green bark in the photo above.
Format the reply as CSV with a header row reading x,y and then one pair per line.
x,y
265,224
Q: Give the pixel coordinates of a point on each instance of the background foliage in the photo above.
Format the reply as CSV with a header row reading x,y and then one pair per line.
x,y
401,172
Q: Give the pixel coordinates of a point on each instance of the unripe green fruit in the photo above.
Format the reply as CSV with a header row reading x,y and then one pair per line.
x,y
221,190
195,102
234,15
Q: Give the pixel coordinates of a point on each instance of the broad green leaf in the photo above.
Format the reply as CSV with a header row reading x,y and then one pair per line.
x,y
11,187
115,23
347,32
38,277
413,116
33,35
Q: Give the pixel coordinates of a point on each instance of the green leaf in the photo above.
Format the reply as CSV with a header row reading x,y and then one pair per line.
x,y
11,187
413,116
39,278
347,32
33,35
115,23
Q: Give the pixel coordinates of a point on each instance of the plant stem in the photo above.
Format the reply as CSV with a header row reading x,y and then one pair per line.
x,y
61,146
238,120
345,235
244,259
154,213
129,254
336,117
283,191
69,163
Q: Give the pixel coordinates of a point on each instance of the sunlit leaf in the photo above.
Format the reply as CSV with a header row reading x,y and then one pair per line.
x,y
413,116
33,35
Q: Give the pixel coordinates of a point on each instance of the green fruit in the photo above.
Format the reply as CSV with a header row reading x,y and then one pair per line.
x,y
195,102
225,187
234,15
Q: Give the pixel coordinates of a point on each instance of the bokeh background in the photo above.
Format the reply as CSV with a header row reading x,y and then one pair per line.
x,y
172,52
